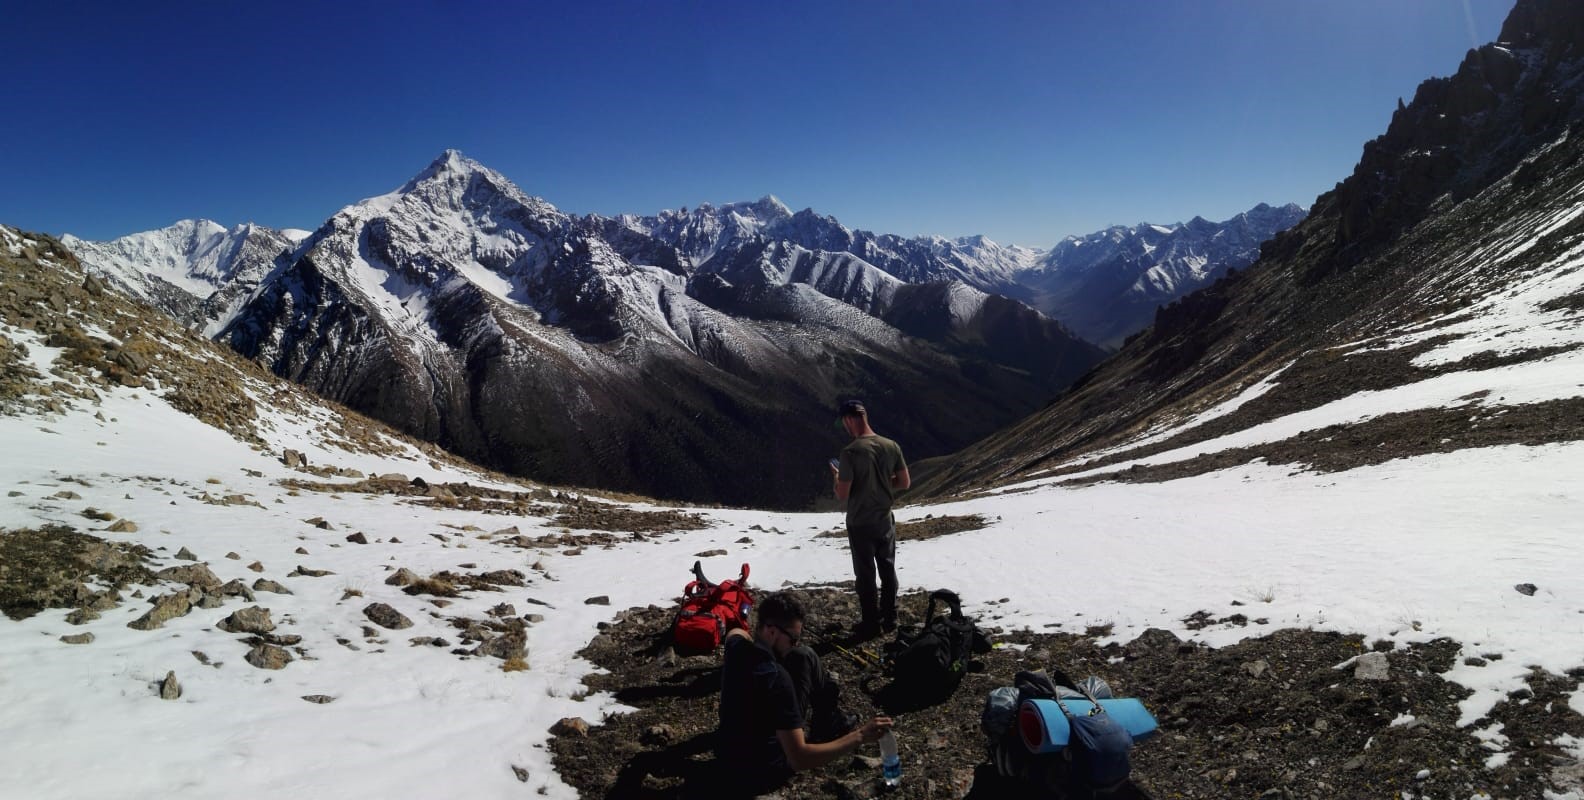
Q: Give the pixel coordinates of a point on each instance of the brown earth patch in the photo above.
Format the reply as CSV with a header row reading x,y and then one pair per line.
x,y
929,527
583,514
47,568
1336,448
1322,377
1294,726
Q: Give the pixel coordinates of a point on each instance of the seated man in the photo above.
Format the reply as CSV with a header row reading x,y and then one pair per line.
x,y
769,687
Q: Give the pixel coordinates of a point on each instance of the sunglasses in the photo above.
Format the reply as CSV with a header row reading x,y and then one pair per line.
x,y
791,637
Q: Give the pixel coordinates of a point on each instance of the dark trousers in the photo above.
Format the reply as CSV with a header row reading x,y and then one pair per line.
x,y
818,697
869,555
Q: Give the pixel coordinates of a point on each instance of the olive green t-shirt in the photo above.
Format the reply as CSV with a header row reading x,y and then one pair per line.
x,y
869,462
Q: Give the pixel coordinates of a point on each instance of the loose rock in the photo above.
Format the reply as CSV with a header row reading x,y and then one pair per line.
x,y
85,637
170,689
82,616
1372,667
166,608
267,585
570,726
248,620
186,555
236,588
386,617
402,577
268,656
193,575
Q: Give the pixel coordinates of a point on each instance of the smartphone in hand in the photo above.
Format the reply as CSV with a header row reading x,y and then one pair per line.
x,y
836,464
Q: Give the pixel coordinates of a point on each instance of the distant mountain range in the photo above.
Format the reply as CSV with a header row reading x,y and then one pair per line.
x,y
1106,286
1452,247
637,352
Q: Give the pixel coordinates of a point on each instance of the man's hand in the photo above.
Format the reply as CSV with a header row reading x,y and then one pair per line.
x,y
874,729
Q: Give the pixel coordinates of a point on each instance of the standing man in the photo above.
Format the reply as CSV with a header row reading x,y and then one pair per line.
x,y
770,687
868,475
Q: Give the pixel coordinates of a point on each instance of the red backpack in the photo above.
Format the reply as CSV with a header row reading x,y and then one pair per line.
x,y
709,610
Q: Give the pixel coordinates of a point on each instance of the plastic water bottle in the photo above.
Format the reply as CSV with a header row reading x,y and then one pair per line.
x,y
890,762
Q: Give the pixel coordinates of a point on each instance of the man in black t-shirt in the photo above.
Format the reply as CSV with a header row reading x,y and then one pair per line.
x,y
764,705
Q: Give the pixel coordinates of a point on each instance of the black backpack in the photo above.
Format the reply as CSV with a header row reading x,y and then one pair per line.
x,y
931,662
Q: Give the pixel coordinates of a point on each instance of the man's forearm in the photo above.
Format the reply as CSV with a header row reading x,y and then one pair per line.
x,y
813,756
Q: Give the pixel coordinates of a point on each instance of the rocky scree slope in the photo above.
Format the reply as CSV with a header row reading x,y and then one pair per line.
x,y
577,350
1461,222
1293,714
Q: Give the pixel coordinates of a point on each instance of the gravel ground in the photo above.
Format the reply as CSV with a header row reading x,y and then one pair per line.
x,y
1274,716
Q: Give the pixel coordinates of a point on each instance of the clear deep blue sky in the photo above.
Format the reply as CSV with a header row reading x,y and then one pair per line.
x,y
1023,121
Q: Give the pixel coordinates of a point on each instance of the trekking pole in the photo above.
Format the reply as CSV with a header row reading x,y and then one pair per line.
x,y
860,657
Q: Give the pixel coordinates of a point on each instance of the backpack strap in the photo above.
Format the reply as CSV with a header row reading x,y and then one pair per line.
x,y
952,601
1062,679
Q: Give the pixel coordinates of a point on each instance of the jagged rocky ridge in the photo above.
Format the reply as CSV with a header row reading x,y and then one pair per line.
x,y
1103,286
1464,198
1107,285
195,270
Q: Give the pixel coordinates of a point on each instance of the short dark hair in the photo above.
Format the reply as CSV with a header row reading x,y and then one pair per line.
x,y
781,609
854,408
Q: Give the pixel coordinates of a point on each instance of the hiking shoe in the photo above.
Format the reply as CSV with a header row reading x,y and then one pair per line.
x,y
864,631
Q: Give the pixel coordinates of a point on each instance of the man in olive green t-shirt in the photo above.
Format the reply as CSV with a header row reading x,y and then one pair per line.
x,y
868,475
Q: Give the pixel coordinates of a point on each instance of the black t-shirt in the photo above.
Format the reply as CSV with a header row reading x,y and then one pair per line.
x,y
757,700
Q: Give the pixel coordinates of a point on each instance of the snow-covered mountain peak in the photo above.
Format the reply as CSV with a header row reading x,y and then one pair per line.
x,y
771,207
176,266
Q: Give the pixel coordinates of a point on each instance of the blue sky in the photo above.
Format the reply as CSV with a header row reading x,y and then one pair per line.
x,y
1023,121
